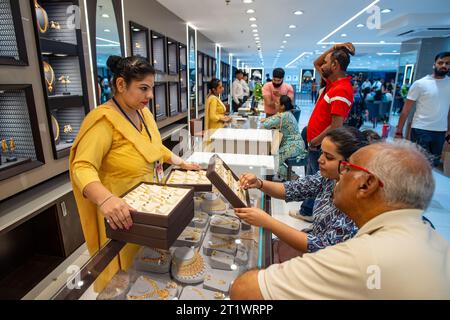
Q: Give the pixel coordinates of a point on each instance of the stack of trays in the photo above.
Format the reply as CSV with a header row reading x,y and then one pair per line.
x,y
162,213
227,182
188,178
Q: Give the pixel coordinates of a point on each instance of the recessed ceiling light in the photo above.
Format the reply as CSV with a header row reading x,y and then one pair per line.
x,y
250,11
136,29
382,41
292,26
287,35
254,25
257,38
107,30
343,35
282,47
255,30
394,51
247,1
252,19
280,50
284,41
298,12
105,15
324,47
360,25
155,37
386,10
256,35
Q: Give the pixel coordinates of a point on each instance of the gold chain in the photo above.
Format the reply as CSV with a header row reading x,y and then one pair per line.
x,y
163,294
190,268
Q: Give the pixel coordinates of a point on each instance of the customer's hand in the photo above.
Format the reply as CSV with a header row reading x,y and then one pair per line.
x,y
254,216
117,213
398,134
226,119
249,181
190,166
348,45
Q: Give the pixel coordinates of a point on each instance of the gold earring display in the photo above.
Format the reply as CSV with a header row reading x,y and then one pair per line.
x,y
41,18
49,76
55,25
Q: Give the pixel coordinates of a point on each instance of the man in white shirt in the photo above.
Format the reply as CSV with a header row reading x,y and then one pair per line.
x,y
366,84
245,87
384,189
237,91
431,122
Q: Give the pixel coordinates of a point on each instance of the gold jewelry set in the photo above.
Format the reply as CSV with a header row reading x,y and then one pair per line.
x,y
190,268
188,177
49,75
220,281
228,178
228,242
217,295
222,221
155,199
162,294
161,259
191,233
12,145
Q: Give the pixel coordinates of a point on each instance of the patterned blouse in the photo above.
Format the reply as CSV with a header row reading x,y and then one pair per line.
x,y
330,225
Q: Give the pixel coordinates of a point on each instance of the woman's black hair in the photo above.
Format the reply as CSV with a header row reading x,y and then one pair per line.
x,y
287,103
130,68
213,84
348,140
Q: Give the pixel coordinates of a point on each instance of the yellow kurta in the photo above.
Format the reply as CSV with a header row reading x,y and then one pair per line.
x,y
214,111
110,150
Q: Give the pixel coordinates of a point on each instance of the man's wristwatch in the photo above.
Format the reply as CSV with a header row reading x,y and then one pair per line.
x,y
261,184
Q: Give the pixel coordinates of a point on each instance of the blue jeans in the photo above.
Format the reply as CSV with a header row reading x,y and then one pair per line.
x,y
431,141
312,167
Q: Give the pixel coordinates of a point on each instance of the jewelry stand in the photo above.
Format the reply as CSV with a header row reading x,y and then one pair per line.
x,y
222,261
225,224
241,255
146,288
213,204
221,243
200,220
219,280
117,288
153,260
188,266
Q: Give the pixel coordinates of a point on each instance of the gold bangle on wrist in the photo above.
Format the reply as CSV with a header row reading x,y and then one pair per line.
x,y
104,201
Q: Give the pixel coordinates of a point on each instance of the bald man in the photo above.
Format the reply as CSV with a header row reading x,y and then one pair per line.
x,y
385,189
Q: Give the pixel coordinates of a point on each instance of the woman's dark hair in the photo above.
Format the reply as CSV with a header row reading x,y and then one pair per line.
x,y
348,140
213,84
372,136
287,103
130,68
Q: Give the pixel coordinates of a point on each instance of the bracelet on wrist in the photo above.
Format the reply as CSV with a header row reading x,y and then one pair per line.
x,y
104,201
262,184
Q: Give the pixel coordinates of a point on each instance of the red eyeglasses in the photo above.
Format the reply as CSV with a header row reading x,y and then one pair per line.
x,y
345,166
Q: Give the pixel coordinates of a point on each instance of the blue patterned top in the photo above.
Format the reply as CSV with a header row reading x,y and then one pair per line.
x,y
330,225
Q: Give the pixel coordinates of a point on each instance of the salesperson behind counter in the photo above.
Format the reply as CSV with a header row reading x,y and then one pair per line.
x,y
118,146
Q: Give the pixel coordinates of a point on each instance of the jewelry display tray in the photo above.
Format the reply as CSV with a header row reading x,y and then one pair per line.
x,y
223,187
197,187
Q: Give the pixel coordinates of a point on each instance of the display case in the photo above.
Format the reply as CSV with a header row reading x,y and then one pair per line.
x,y
174,98
225,77
139,41
201,101
62,65
19,131
183,78
205,269
172,57
206,77
160,101
159,52
12,41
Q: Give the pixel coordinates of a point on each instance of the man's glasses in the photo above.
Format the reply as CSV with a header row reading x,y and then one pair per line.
x,y
345,166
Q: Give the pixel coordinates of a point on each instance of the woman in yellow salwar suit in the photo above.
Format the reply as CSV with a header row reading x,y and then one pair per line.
x,y
215,110
118,146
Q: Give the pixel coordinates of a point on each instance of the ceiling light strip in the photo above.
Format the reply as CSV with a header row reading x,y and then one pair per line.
x,y
299,57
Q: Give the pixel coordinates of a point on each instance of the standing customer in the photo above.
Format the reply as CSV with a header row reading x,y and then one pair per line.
x,y
331,109
272,91
118,146
215,110
431,122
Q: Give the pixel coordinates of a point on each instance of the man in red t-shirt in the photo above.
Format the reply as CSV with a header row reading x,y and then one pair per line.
x,y
331,109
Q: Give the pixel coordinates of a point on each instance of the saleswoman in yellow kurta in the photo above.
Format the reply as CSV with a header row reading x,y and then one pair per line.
x,y
215,109
118,146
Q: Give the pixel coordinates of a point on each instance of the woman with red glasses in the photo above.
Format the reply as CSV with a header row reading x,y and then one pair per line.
x,y
330,226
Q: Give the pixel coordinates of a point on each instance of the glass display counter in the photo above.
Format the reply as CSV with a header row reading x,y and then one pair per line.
x,y
213,250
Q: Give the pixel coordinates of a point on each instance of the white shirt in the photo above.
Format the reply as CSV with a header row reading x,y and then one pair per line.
x,y
366,84
245,87
377,85
432,98
237,91
393,256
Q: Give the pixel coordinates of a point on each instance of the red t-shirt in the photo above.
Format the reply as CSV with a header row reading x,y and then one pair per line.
x,y
337,100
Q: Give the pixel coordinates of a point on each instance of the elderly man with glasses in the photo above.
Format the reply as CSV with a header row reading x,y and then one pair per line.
x,y
384,188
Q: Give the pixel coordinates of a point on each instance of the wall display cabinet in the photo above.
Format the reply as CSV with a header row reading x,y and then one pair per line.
x,y
225,76
172,57
158,52
160,101
61,58
12,41
183,78
139,41
174,98
21,148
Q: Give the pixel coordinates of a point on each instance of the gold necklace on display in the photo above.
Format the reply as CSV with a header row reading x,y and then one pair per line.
x,y
190,268
158,260
163,294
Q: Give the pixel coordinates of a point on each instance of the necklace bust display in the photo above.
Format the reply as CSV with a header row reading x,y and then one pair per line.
x,y
146,288
188,266
153,260
213,204
225,224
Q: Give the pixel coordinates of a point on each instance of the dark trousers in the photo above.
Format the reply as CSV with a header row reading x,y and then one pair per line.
x,y
235,106
431,141
312,167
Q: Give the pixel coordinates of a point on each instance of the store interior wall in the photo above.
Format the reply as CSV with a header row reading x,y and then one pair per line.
x,y
31,75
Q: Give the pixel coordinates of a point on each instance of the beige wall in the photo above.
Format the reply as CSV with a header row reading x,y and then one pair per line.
x,y
31,75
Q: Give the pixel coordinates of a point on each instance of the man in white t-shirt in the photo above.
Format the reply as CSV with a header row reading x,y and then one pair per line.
x,y
431,122
245,87
237,91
